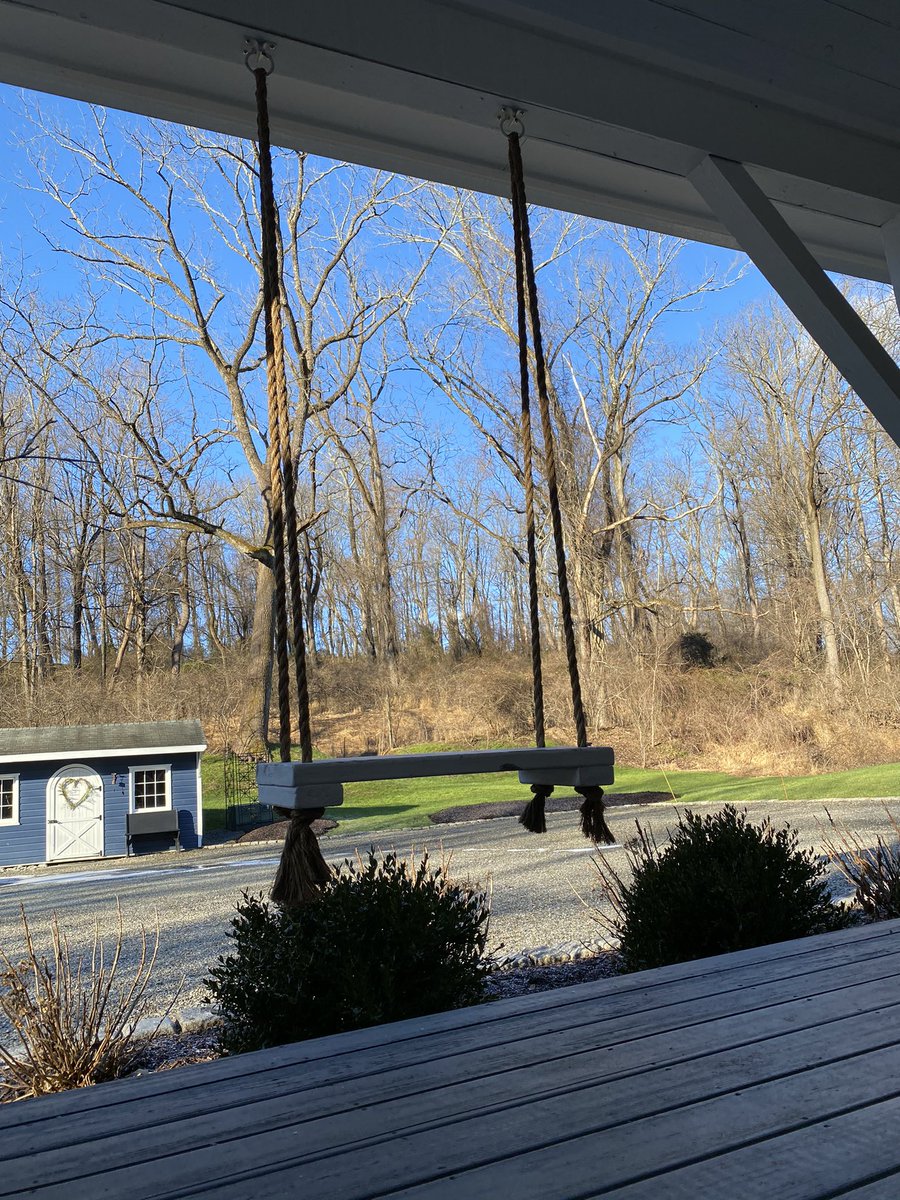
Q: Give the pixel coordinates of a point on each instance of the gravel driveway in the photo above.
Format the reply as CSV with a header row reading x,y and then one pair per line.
x,y
542,885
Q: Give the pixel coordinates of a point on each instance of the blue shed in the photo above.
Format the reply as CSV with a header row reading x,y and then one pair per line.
x,y
71,792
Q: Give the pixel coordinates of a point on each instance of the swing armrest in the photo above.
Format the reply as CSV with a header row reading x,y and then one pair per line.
x,y
289,795
574,777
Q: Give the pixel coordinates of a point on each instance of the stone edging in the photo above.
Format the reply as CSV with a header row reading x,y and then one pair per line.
x,y
546,956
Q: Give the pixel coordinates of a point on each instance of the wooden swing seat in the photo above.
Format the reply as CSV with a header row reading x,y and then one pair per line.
x,y
320,784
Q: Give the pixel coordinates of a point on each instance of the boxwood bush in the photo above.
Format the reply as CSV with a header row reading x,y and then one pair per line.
x,y
385,941
720,884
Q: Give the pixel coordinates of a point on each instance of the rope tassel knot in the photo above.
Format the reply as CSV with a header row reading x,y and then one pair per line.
x,y
302,871
593,816
533,818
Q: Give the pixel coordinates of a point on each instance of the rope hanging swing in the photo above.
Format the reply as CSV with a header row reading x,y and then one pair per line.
x,y
593,821
304,789
302,870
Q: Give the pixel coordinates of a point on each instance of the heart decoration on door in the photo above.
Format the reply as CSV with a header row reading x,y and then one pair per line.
x,y
75,791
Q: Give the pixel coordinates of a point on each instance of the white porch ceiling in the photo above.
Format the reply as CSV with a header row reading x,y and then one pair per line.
x,y
623,97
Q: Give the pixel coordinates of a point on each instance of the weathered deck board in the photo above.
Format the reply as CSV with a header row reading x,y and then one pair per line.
x,y
361,1116
517,1040
564,1059
885,1188
368,1164
820,1161
416,1037
715,975
680,1081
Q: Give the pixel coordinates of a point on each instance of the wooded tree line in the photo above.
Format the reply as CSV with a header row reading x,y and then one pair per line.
x,y
728,483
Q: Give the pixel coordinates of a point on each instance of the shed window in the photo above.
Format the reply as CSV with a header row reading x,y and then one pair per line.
x,y
9,799
151,788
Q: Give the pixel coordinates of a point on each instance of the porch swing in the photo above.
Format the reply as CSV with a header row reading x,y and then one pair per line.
x,y
304,789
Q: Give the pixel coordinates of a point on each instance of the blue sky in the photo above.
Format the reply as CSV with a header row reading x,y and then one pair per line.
x,y
23,212
26,215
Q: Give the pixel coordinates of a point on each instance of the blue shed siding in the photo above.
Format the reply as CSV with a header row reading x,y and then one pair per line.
x,y
27,842
184,798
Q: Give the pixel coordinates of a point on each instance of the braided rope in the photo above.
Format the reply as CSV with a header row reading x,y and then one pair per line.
x,y
303,719
302,871
528,478
281,412
277,404
520,205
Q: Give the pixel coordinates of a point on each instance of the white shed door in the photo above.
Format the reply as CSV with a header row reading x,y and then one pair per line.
x,y
74,815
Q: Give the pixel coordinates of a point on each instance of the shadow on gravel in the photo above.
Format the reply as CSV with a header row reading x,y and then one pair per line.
x,y
277,831
513,808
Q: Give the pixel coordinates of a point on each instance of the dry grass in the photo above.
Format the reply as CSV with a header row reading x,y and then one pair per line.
x,y
211,692
763,715
873,871
73,1015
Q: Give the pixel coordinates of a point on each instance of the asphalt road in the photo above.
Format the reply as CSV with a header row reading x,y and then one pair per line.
x,y
543,886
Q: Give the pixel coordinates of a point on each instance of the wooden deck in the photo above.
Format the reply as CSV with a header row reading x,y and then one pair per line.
x,y
770,1074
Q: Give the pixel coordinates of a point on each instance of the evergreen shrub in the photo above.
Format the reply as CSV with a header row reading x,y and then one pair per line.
x,y
720,884
386,940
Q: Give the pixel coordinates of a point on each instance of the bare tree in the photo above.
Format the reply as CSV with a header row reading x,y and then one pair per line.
x,y
798,402
168,218
609,298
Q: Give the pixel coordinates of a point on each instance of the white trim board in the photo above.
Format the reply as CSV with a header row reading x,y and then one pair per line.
x,y
198,819
118,751
799,280
16,818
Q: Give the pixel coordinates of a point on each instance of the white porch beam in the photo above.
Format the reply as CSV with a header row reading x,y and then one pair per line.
x,y
891,235
781,256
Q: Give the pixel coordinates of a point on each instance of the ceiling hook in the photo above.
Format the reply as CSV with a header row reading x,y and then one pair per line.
x,y
258,55
512,121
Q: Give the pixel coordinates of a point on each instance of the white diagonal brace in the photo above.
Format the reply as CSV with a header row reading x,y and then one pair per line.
x,y
763,233
890,234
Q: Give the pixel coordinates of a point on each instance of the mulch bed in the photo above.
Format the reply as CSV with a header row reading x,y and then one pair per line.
x,y
513,808
523,981
276,832
176,1050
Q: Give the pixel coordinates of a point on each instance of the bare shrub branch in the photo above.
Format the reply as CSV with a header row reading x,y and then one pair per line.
x,y
74,1016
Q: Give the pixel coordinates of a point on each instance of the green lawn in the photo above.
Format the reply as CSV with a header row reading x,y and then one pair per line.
x,y
407,803
212,772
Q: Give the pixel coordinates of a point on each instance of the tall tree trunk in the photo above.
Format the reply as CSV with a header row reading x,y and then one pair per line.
x,y
819,578
104,613
77,612
126,637
386,617
636,614
738,524
140,625
184,610
258,701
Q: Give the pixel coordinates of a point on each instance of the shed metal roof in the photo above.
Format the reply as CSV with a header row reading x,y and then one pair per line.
x,y
92,741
